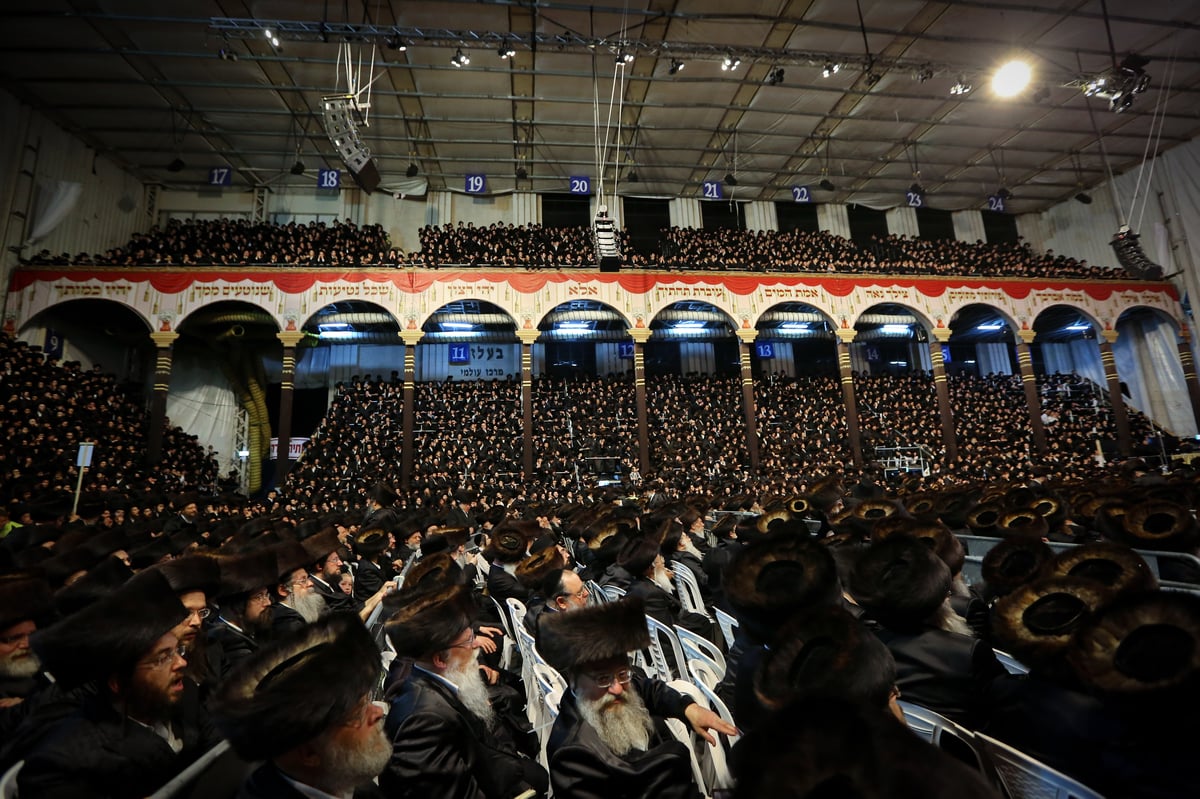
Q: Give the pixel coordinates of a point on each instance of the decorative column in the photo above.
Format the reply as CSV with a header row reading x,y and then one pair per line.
x,y
290,339
640,336
410,338
949,440
845,337
1189,371
163,340
1029,381
1120,415
527,338
747,336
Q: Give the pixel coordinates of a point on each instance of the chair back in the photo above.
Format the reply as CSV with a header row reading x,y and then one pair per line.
x,y
1010,663
689,590
700,648
8,783
683,733
596,595
612,593
948,736
216,774
662,639
1025,777
727,624
714,767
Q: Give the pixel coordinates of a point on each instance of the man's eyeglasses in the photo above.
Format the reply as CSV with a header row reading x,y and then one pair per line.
x,y
261,596
624,677
468,644
9,640
163,658
202,613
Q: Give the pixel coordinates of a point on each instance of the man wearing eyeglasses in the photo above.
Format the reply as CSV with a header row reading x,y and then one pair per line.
x,y
610,737
297,605
139,722
244,599
447,739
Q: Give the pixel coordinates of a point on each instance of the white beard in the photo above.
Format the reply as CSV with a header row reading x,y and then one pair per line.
x,y
622,726
689,546
344,768
20,667
310,605
944,618
661,579
472,690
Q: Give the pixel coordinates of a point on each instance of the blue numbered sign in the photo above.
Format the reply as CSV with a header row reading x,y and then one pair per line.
x,y
460,353
712,190
914,199
764,349
625,349
329,178
476,184
220,176
581,184
801,194
996,203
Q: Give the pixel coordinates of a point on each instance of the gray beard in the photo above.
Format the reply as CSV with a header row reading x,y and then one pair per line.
x,y
472,691
344,768
945,618
622,727
689,546
661,579
310,606
19,668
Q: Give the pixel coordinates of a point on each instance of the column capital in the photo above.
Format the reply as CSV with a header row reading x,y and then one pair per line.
x,y
290,338
411,337
940,335
1026,336
1110,336
747,334
164,338
846,335
640,335
527,337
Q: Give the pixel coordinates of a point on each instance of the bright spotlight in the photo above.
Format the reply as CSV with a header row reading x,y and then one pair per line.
x,y
1011,79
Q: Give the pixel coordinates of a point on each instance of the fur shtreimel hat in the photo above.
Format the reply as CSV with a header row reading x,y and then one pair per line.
x,y
984,517
27,599
370,543
1015,561
826,652
439,570
900,582
321,545
1113,565
1156,524
243,574
444,539
1037,620
592,634
637,555
508,544
111,635
383,494
772,578
192,573
290,556
534,568
934,535
430,621
289,693
1142,645
100,581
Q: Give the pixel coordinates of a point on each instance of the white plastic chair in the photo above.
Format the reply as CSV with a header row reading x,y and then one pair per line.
x,y
1010,663
683,733
689,590
181,781
510,639
710,693
1025,777
596,595
8,783
712,760
612,593
659,633
727,624
946,735
697,647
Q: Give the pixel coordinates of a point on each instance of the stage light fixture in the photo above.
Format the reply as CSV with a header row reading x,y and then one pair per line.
x,y
826,184
298,167
411,172
506,52
730,63
460,59
775,76
730,180
1083,197
176,166
676,67
396,43
632,177
624,57
961,86
1011,79
521,173
830,69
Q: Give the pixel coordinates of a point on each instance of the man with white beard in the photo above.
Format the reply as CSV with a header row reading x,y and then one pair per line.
x,y
303,705
297,604
23,603
447,741
610,738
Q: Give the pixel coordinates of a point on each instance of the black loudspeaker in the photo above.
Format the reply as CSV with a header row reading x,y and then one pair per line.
x,y
341,115
610,264
367,178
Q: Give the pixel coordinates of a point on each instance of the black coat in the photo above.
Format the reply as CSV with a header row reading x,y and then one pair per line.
x,y
336,600
948,673
368,579
501,585
98,753
285,620
665,608
234,645
267,782
441,750
583,767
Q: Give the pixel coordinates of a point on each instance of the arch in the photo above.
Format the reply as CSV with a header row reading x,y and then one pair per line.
x,y
699,315
94,331
227,312
1133,310
1060,321
429,309
89,308
585,310
352,322
801,328
863,318
717,304
469,319
982,340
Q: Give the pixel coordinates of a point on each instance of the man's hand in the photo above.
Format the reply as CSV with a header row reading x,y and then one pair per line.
x,y
484,639
490,675
702,720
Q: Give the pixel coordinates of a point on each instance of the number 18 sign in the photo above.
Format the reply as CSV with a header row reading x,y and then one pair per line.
x,y
329,178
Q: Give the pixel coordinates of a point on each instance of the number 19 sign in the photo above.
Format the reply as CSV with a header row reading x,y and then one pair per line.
x,y
476,184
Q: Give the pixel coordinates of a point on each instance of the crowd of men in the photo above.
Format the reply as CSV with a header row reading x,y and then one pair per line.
x,y
139,630
238,242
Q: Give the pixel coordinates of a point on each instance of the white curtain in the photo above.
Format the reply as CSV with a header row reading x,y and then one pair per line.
x,y
1148,363
202,402
55,200
993,358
